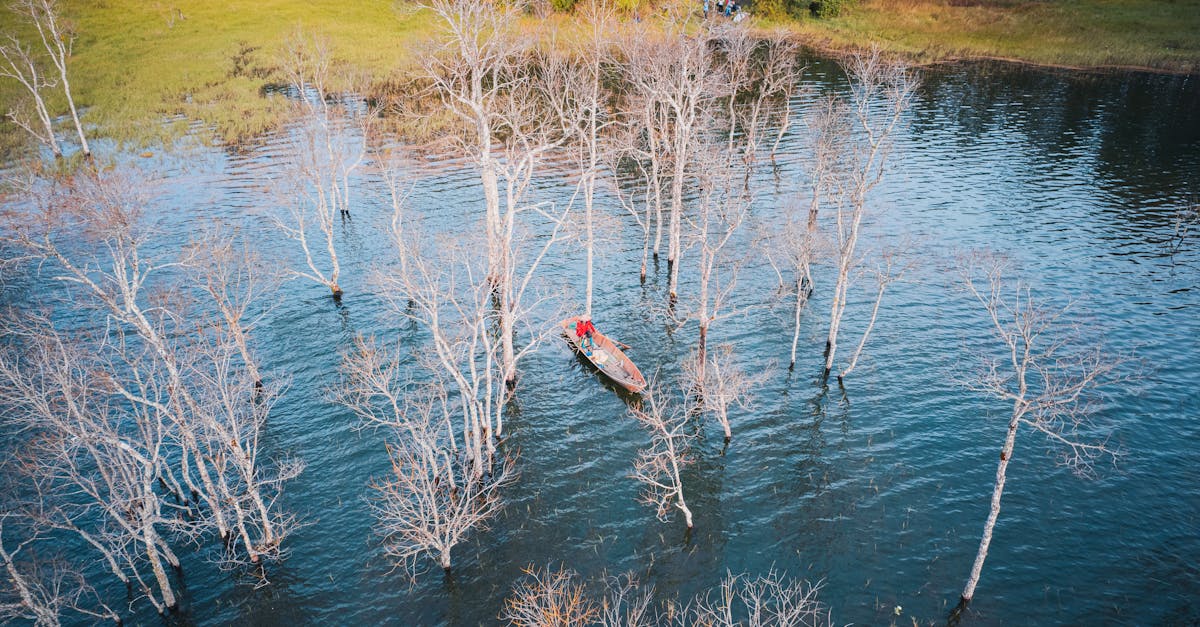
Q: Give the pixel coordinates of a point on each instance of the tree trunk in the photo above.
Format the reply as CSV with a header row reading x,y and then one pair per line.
x,y
587,199
687,513
160,574
867,332
87,152
491,194
675,228
1001,468
801,298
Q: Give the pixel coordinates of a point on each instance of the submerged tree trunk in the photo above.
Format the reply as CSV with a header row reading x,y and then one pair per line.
x,y
997,491
675,224
870,324
801,299
160,574
491,194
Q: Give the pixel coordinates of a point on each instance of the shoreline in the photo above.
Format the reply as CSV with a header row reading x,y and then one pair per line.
x,y
132,66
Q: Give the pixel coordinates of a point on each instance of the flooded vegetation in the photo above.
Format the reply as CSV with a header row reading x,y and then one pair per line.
x,y
916,346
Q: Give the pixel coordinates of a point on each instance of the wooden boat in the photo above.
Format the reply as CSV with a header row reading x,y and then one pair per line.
x,y
606,357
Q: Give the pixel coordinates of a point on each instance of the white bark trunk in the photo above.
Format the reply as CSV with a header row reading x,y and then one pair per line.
x,y
994,512
867,333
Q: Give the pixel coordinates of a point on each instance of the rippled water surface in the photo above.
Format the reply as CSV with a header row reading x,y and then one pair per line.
x,y
879,490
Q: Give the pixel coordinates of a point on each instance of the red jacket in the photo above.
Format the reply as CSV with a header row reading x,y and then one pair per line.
x,y
584,327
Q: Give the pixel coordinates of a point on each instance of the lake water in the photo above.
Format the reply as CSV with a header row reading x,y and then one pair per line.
x,y
880,490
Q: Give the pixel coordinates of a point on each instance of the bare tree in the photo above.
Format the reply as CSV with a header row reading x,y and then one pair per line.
x,y
889,270
719,215
781,77
471,73
623,143
57,38
1043,371
324,154
19,65
509,130
659,466
769,600
799,238
626,603
638,137
234,414
676,78
772,600
433,499
582,108
438,284
238,285
880,93
720,385
549,599
762,74
173,363
428,508
1186,220
93,456
43,591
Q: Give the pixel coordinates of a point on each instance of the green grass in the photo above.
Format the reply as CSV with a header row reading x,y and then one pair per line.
x,y
138,62
1151,34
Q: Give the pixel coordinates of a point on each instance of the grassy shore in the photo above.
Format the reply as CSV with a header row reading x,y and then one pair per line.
x,y
1162,35
137,63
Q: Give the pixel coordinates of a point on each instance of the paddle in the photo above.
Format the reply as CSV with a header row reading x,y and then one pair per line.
x,y
622,344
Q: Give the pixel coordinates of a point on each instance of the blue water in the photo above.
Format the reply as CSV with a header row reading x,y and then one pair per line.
x,y
880,489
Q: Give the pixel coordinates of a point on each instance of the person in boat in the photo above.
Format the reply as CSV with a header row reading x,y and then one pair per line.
x,y
584,330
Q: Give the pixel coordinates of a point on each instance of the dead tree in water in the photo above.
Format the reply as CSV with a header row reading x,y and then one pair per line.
x,y
888,271
42,592
166,355
471,72
550,599
782,76
767,600
676,78
720,385
508,131
624,146
659,466
20,65
799,238
57,39
98,460
772,600
327,146
438,284
1047,376
880,93
719,215
584,114
433,498
235,281
759,71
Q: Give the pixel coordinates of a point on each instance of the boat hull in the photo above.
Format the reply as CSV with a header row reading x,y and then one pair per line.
x,y
606,357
